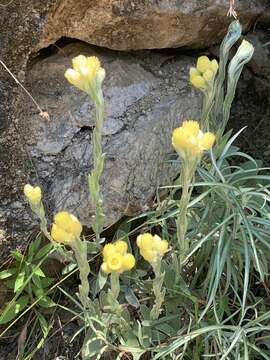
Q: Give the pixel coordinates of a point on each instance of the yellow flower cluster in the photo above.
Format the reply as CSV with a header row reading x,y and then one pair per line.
x,y
151,247
33,194
85,70
203,73
66,227
116,259
189,141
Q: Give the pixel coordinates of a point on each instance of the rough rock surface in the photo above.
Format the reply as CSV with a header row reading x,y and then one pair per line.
x,y
146,24
146,94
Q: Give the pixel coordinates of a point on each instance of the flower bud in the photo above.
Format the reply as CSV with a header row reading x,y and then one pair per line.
x,y
33,194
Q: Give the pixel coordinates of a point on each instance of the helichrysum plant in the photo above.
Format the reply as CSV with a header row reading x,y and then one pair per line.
x,y
203,75
116,260
88,75
152,249
190,143
33,195
66,229
212,311
209,76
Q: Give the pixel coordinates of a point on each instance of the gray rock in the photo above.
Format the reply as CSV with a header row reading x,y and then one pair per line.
x,y
142,109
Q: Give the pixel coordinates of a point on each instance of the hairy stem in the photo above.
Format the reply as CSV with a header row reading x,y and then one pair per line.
x,y
80,251
115,285
157,289
95,175
186,177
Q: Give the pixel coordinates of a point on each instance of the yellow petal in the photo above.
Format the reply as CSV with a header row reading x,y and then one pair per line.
x,y
115,262
198,81
148,255
120,247
179,139
192,126
78,62
207,141
203,63
60,235
105,268
75,78
208,75
75,226
146,241
108,250
33,194
214,66
101,75
128,261
162,247
93,63
194,72
68,222
139,240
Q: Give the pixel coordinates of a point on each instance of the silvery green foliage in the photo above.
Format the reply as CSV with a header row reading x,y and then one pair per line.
x,y
217,104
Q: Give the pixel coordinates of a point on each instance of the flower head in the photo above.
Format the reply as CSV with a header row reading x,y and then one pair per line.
x,y
66,227
86,73
33,194
203,75
151,247
116,258
189,141
243,55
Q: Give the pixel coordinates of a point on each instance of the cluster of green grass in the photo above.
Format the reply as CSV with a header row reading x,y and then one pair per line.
x,y
215,293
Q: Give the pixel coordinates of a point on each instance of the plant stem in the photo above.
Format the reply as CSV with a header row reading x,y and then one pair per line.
x,y
80,250
95,175
181,222
157,289
115,285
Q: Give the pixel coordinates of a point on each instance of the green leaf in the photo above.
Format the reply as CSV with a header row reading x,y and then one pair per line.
x,y
17,255
37,271
37,281
38,291
43,324
12,310
93,248
7,273
34,245
44,251
10,283
131,298
46,302
100,281
45,282
67,269
19,282
92,347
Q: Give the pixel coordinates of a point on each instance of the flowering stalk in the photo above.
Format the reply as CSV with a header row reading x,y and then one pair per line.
x,y
203,78
80,251
190,142
115,285
116,260
210,78
186,179
95,175
34,197
88,75
67,229
243,55
157,289
152,249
